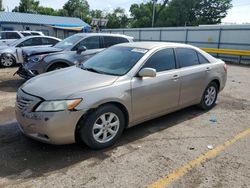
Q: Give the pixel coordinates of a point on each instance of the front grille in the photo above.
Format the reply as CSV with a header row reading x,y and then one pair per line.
x,y
26,102
23,103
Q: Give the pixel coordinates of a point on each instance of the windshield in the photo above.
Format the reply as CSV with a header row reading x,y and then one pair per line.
x,y
68,42
16,42
114,61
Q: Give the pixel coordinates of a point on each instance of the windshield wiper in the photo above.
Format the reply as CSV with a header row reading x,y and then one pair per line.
x,y
91,69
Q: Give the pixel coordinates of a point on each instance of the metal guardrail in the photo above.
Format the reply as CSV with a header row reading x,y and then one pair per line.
x,y
238,53
227,51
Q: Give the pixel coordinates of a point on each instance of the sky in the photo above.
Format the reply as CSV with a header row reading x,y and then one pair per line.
x,y
240,13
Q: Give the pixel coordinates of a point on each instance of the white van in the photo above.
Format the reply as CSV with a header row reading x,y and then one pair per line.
x,y
6,37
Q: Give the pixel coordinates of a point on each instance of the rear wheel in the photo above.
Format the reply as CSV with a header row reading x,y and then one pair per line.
x,y
102,127
7,60
57,66
209,96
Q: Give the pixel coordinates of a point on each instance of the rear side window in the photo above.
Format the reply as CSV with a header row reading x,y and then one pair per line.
x,y
49,41
202,59
3,36
26,34
161,61
187,57
122,40
90,43
11,35
110,41
34,33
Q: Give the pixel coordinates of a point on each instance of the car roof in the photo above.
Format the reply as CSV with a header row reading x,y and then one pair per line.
x,y
151,45
104,34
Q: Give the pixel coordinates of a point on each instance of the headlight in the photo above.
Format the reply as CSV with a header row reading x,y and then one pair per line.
x,y
60,105
36,59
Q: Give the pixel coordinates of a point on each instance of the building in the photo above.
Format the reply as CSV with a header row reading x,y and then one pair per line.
x,y
56,26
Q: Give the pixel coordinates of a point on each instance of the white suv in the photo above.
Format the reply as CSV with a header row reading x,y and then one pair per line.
x,y
6,37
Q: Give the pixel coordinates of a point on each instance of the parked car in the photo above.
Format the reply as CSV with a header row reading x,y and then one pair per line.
x,y
6,37
118,88
10,55
68,52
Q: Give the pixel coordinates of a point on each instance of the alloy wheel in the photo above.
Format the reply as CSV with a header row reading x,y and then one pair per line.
x,y
106,127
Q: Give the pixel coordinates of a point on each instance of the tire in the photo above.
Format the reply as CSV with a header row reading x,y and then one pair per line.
x,y
57,66
98,123
7,60
209,96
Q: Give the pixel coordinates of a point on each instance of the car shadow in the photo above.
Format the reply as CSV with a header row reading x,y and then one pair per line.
x,y
19,154
11,85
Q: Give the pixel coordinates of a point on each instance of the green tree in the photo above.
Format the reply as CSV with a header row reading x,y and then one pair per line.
x,y
1,6
141,15
96,14
117,18
212,11
77,8
46,11
27,6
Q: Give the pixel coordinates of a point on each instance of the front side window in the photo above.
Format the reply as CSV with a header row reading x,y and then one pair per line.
x,y
114,61
68,42
187,57
90,43
161,61
32,42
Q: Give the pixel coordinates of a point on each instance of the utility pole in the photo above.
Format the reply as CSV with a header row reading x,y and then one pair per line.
x,y
153,17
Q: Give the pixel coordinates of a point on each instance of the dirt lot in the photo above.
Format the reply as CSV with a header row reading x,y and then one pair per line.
x,y
146,153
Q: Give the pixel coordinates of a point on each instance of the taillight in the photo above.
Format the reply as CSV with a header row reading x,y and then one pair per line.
x,y
225,67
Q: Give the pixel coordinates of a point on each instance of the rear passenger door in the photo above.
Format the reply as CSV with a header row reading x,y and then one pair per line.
x,y
193,76
152,96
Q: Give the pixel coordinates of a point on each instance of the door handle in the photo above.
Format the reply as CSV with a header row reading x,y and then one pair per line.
x,y
208,69
175,77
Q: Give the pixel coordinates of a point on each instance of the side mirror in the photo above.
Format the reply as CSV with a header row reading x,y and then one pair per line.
x,y
81,49
147,72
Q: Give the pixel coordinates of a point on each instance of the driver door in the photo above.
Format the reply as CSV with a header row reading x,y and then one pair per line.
x,y
158,95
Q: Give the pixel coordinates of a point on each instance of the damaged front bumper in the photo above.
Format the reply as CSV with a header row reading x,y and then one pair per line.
x,y
48,127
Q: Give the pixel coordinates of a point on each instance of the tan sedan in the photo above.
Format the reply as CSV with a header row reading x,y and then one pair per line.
x,y
122,86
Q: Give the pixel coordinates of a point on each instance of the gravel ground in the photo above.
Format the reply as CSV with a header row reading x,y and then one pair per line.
x,y
144,154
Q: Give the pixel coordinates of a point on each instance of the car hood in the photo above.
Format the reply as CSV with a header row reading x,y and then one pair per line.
x,y
63,83
40,50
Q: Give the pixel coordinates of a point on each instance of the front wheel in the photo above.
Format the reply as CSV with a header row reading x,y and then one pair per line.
x,y
102,127
209,96
7,60
57,66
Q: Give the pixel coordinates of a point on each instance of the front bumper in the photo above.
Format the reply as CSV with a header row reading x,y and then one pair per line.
x,y
30,69
24,73
48,127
